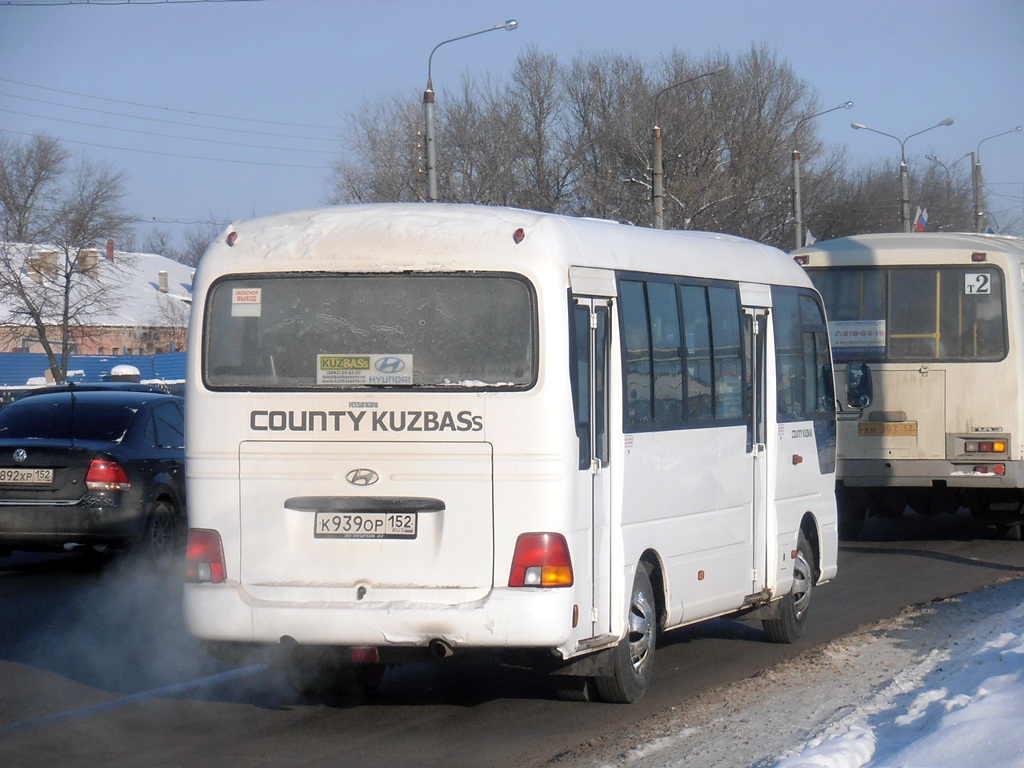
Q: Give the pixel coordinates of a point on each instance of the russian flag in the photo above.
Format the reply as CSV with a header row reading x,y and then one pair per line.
x,y
921,220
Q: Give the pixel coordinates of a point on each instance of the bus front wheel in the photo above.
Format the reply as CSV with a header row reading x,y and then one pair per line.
x,y
634,655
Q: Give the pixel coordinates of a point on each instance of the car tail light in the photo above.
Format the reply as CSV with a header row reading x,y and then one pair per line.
x,y
541,560
105,475
204,557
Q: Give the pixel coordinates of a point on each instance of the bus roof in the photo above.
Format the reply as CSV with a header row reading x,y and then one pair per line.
x,y
449,237
908,248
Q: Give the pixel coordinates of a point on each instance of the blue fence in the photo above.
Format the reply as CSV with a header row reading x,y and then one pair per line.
x,y
17,369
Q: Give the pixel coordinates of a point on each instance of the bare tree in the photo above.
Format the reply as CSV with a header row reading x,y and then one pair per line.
x,y
173,314
159,241
384,158
867,199
610,102
51,276
197,240
577,139
30,177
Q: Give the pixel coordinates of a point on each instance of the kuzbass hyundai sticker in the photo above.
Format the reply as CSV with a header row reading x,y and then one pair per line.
x,y
364,369
357,420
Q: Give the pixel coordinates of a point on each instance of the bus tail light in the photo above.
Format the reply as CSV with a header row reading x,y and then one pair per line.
x,y
989,469
204,557
541,560
985,446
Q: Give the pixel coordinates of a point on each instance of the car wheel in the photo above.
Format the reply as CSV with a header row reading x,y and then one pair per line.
x,y
790,613
160,538
633,659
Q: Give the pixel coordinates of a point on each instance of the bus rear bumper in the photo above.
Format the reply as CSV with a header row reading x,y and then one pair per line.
x,y
506,618
930,473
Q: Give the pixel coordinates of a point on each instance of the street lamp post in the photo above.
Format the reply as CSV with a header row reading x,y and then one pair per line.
x,y
904,179
979,211
428,106
658,181
797,220
949,172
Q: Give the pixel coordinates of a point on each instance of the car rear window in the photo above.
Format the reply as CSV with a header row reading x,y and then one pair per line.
x,y
58,420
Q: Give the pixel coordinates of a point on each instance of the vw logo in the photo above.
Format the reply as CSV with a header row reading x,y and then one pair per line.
x,y
389,364
362,477
20,455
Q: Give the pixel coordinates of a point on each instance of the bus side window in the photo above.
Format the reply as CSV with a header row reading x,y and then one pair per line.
x,y
668,360
581,381
725,321
697,335
637,342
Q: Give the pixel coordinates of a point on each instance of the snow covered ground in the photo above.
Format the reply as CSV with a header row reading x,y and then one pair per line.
x,y
940,686
960,705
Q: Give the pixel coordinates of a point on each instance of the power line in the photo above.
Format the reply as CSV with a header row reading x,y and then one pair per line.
x,y
159,120
166,135
178,155
169,109
47,3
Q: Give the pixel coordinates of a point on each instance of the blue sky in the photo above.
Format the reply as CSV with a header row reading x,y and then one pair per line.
x,y
291,71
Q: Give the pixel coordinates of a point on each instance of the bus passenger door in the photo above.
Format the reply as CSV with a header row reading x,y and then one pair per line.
x,y
591,331
758,442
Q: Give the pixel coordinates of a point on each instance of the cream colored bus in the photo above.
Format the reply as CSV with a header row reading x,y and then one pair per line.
x,y
938,316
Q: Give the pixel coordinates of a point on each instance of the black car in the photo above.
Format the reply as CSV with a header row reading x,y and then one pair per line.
x,y
100,468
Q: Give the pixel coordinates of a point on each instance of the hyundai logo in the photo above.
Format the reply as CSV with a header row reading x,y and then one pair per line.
x,y
362,477
20,455
389,364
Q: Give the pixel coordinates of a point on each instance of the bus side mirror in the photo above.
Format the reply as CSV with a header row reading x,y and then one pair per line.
x,y
858,385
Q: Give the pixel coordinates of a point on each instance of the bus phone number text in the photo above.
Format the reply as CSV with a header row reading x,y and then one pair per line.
x,y
365,525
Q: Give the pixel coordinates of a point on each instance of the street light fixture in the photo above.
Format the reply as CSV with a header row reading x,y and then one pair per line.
x,y
428,105
904,181
979,211
658,184
797,220
948,170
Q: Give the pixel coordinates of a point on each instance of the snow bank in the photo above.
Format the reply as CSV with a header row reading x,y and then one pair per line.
x,y
959,706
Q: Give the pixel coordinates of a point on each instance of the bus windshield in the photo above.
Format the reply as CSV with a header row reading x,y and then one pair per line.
x,y
331,331
934,313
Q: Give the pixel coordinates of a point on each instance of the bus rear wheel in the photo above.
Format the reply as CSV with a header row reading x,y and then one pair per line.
x,y
790,613
634,656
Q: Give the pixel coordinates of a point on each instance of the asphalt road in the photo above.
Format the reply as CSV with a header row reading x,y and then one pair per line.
x,y
96,669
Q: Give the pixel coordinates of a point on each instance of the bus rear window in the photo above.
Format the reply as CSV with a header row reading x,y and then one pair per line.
x,y
334,331
914,313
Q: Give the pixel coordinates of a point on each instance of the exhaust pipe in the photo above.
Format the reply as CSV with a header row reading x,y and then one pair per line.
x,y
440,648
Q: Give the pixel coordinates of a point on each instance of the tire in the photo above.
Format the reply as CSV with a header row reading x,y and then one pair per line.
x,y
161,536
790,613
633,660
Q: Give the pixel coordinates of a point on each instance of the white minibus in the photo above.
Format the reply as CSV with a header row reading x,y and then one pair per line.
x,y
938,316
417,430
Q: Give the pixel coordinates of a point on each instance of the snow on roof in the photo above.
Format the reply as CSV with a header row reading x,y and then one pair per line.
x,y
139,280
